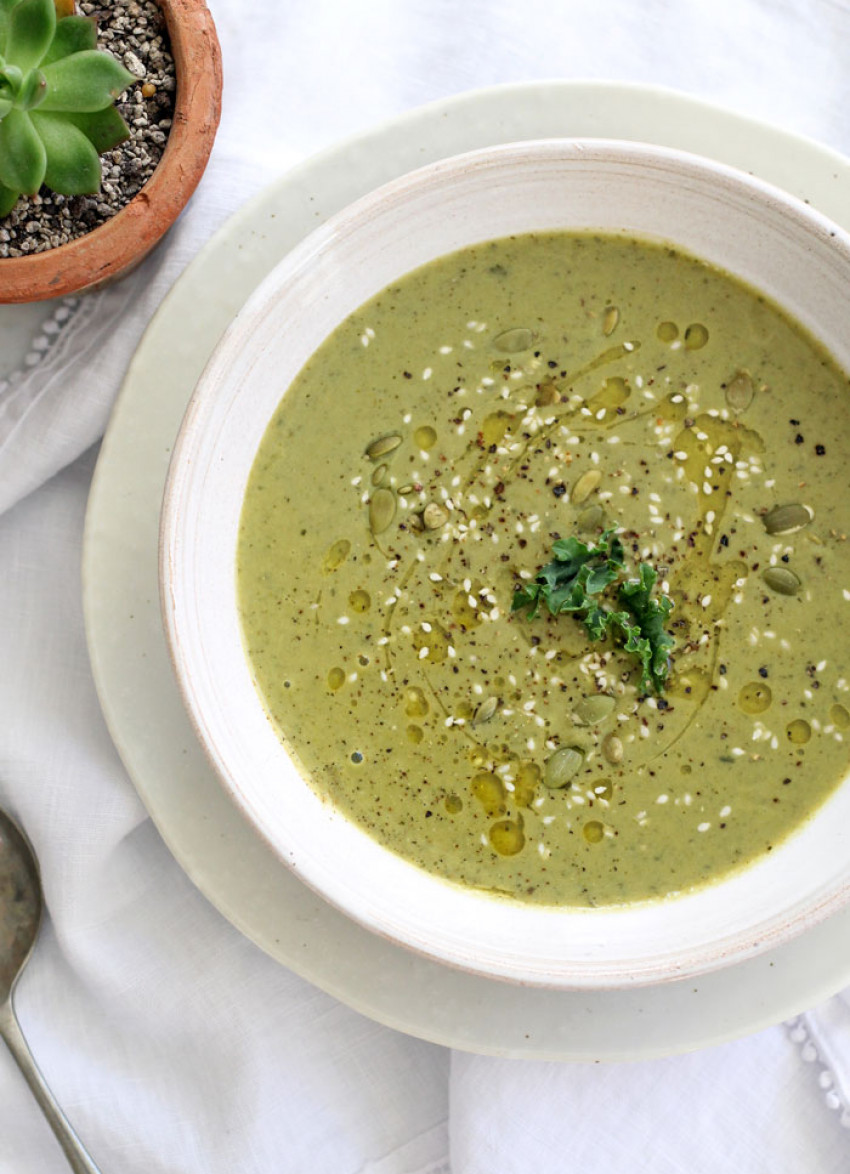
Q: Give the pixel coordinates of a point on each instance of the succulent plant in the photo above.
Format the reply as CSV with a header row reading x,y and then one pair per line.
x,y
57,94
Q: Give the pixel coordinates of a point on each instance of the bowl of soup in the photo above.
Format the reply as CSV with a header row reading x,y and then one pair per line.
x,y
505,568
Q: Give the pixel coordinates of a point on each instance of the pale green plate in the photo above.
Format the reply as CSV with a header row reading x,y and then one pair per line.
x,y
220,853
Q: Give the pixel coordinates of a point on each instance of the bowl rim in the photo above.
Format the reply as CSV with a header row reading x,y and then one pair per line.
x,y
348,219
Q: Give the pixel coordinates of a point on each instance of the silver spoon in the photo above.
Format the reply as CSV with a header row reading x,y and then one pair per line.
x,y
21,904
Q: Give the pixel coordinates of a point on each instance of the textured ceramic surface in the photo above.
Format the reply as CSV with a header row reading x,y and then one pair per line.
x,y
757,232
205,830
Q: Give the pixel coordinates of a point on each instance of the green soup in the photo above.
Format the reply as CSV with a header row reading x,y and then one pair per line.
x,y
420,468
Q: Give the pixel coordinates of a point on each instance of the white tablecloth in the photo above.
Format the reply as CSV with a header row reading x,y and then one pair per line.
x,y
174,1044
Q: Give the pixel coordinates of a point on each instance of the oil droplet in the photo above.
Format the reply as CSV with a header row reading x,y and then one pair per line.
x,y
603,789
507,837
336,555
463,611
436,641
494,427
453,804
490,792
696,336
798,732
528,779
425,437
755,697
336,679
667,331
839,716
465,710
360,601
593,831
415,734
613,392
415,702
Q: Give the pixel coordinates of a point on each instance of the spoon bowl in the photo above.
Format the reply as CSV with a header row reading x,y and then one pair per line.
x,y
21,903
21,908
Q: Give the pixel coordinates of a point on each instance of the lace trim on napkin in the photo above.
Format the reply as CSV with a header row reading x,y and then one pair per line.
x,y
44,342
801,1031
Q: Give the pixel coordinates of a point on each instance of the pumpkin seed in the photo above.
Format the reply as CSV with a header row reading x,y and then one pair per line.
x,y
381,510
785,519
511,342
382,446
610,320
591,518
782,580
612,748
585,485
562,766
335,555
485,711
590,711
740,392
434,516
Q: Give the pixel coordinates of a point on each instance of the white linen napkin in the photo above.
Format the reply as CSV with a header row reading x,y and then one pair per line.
x,y
174,1044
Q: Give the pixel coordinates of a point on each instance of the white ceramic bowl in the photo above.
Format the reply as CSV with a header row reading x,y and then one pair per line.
x,y
742,225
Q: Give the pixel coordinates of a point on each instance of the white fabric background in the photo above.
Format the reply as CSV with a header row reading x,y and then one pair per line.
x,y
173,1044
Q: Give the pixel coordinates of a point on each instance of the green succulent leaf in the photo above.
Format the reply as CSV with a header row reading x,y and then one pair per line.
x,y
74,34
33,90
73,166
84,82
6,7
11,80
23,159
5,105
29,31
104,129
8,198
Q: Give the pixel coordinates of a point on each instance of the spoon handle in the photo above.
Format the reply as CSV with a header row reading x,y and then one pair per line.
x,y
73,1148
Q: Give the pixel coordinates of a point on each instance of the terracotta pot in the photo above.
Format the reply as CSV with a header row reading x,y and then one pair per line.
x,y
116,247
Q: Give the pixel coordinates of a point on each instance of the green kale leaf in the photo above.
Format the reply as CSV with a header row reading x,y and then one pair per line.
x,y
574,583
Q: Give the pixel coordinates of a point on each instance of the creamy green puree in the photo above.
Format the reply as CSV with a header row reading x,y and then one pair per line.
x,y
420,468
